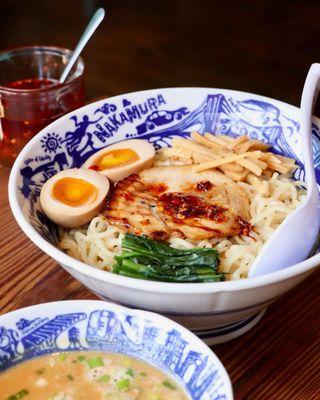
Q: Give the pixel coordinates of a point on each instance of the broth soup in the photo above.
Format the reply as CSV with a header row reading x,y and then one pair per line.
x,y
87,375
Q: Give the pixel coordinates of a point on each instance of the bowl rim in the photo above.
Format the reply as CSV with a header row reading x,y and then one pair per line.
x,y
146,285
57,305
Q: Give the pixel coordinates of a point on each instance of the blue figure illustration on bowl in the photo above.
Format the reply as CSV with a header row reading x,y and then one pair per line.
x,y
159,118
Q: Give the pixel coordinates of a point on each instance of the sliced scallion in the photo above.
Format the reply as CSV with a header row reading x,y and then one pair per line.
x,y
104,379
129,372
123,384
95,362
19,395
169,385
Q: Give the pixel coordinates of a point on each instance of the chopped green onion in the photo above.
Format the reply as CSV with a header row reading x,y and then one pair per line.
x,y
104,378
129,371
169,385
143,374
40,371
123,384
62,357
81,358
18,395
95,362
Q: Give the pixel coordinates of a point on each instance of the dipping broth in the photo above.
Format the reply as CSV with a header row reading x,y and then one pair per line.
x,y
87,375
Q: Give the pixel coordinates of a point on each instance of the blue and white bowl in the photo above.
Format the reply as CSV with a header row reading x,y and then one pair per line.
x,y
216,311
96,325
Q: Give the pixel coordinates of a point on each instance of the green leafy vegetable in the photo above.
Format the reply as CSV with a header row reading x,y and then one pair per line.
x,y
145,258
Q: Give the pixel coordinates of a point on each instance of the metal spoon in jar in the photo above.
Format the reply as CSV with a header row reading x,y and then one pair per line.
x,y
91,27
293,241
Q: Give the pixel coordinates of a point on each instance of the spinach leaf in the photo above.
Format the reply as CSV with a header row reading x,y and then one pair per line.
x,y
145,258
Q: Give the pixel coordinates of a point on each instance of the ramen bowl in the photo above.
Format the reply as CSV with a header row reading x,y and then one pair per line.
x,y
216,311
83,325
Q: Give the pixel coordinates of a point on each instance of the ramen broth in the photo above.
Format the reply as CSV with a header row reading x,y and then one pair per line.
x,y
87,375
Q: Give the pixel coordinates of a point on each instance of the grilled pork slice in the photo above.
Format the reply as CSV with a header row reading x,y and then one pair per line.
x,y
175,201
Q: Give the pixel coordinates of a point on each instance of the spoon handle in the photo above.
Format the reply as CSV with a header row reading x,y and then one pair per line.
x,y
91,27
308,99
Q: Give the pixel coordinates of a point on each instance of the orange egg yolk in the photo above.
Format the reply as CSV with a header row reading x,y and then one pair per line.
x,y
116,158
74,192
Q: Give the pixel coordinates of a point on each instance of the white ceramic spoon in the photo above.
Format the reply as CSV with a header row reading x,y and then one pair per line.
x,y
91,27
293,241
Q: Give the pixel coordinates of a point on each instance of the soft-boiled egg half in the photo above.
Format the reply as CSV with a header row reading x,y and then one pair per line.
x,y
73,197
122,159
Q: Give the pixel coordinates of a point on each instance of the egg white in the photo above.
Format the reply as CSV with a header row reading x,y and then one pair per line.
x,y
144,150
74,216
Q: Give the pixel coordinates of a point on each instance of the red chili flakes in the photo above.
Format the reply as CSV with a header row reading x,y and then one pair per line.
x,y
128,196
182,206
126,223
203,186
157,189
123,221
159,235
95,167
245,227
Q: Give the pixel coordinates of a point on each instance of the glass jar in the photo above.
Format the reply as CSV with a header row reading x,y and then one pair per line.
x,y
31,96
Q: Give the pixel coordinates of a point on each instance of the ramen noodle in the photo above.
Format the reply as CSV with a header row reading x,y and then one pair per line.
x,y
265,177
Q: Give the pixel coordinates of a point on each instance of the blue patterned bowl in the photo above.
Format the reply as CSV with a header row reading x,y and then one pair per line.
x,y
215,311
96,325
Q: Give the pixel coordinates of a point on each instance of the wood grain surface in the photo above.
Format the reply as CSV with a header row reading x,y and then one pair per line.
x,y
263,47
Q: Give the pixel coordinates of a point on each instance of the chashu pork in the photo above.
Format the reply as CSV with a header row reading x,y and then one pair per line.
x,y
164,202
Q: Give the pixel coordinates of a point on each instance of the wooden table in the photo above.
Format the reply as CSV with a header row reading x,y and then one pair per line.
x,y
277,360
263,47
